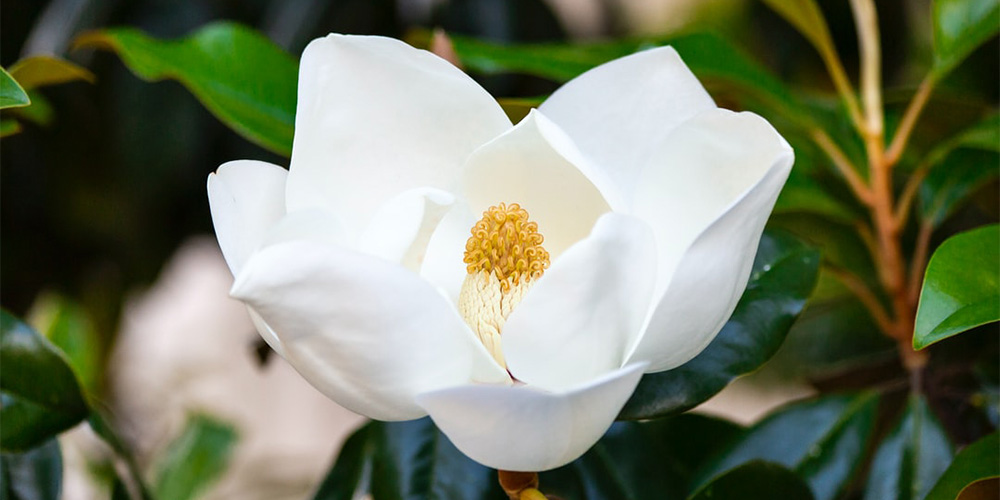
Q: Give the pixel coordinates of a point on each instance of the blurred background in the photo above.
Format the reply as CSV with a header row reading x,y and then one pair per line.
x,y
105,221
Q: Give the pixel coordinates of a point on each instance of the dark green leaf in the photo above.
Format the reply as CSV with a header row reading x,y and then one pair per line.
x,y
961,286
979,460
822,440
40,394
347,474
803,193
959,27
240,76
68,326
39,71
755,480
195,459
954,180
808,19
652,460
9,127
39,112
784,274
11,93
33,475
912,457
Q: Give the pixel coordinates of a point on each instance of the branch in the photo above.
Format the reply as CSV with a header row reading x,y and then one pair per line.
x,y
866,296
909,119
843,165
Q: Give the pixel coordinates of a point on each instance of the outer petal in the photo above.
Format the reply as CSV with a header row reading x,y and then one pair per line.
x,y
376,117
537,166
712,274
368,334
581,318
521,428
246,198
616,111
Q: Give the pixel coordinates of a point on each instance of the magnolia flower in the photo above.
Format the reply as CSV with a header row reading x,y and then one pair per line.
x,y
422,255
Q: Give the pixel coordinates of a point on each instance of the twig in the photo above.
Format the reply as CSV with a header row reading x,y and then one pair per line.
x,y
843,165
909,119
865,295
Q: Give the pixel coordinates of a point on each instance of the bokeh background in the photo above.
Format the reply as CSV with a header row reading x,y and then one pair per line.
x,y
103,210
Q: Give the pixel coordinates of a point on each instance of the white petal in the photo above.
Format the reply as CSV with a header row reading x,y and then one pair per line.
x,y
581,318
709,281
616,111
367,333
536,166
313,224
376,117
443,264
698,173
520,428
246,198
402,227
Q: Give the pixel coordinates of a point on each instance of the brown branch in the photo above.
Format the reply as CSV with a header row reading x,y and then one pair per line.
x,y
843,165
909,195
909,120
865,295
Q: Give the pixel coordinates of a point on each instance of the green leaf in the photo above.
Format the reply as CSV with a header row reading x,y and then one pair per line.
x,y
34,474
99,424
11,93
347,474
195,459
808,19
240,76
39,71
755,480
9,127
70,328
822,440
959,27
979,460
783,276
652,460
912,457
406,460
39,112
961,286
40,394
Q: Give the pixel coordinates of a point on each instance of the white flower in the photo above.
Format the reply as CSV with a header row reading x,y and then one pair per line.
x,y
650,199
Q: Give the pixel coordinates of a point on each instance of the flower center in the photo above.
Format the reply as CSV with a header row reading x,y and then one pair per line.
x,y
503,257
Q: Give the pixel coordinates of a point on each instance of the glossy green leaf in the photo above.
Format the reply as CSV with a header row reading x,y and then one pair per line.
x,y
40,394
979,460
959,27
783,276
11,93
39,71
651,460
70,328
35,474
912,458
406,460
961,286
40,112
347,474
243,78
755,480
822,440
195,459
948,186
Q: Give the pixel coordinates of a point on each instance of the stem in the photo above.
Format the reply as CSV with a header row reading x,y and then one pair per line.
x,y
909,119
871,67
918,262
843,165
909,194
865,296
843,85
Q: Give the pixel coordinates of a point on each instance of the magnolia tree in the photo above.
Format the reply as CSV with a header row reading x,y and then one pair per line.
x,y
526,295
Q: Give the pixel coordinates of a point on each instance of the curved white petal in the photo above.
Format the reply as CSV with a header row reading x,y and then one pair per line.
x,y
376,117
312,224
246,198
367,333
401,228
711,277
699,172
443,264
538,167
521,428
616,111
581,318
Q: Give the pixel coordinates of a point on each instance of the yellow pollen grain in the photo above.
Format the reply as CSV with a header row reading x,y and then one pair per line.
x,y
508,245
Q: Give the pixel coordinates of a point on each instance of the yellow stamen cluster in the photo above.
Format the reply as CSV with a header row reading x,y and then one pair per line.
x,y
507,244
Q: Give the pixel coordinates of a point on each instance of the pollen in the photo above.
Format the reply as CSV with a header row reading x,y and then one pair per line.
x,y
504,256
508,245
